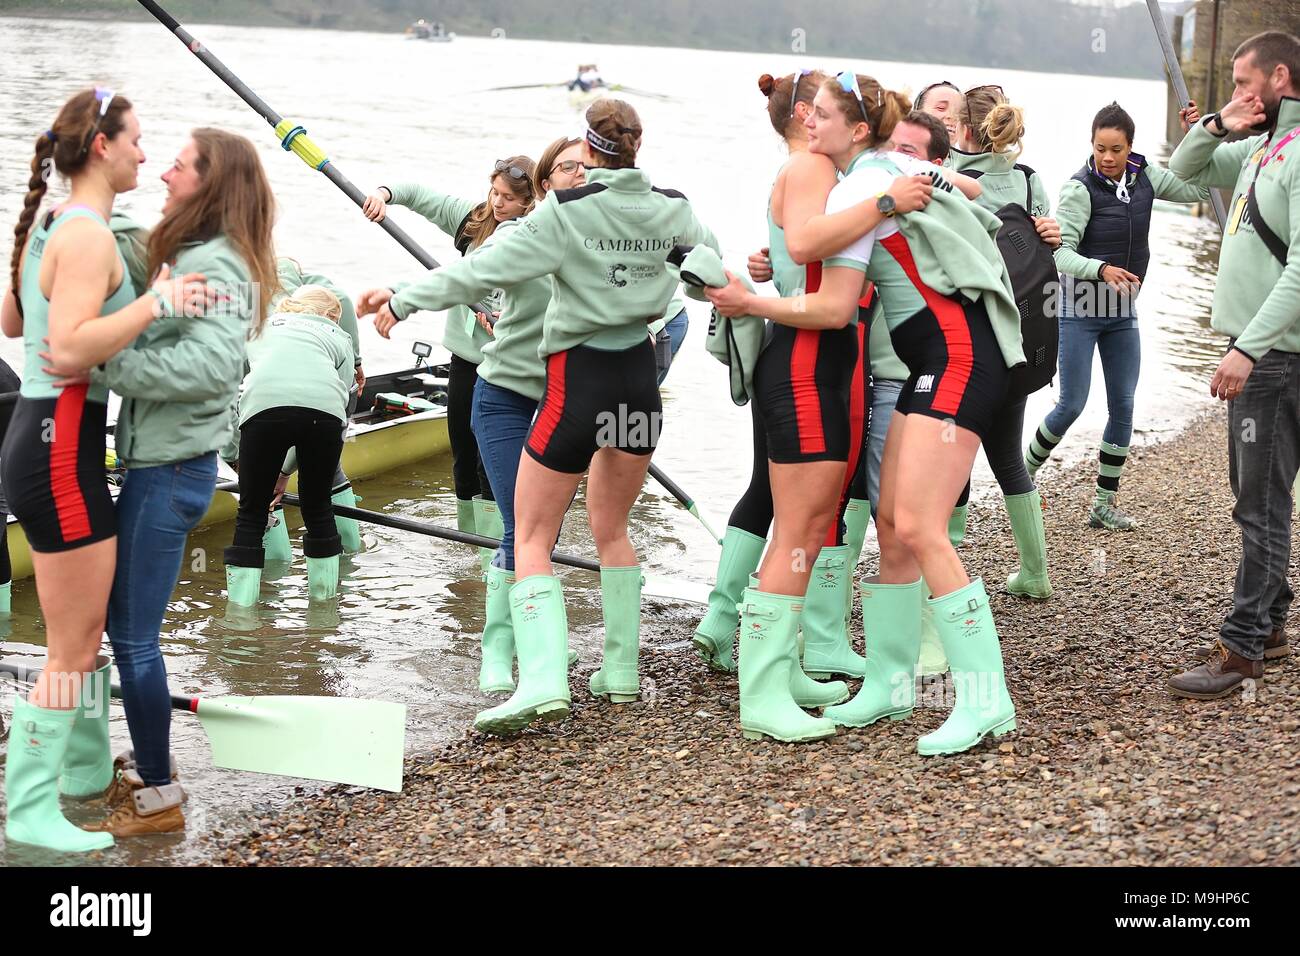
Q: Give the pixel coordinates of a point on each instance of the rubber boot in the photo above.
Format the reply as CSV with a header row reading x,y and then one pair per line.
x,y
891,618
826,647
496,669
88,763
349,528
5,597
970,639
465,516
542,644
1026,513
767,708
857,515
618,680
322,566
933,660
807,692
957,525
716,634
275,543
487,521
38,744
243,575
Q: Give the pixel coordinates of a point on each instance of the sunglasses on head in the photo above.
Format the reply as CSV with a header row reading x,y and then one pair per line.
x,y
849,84
104,98
794,92
920,97
568,167
514,172
975,89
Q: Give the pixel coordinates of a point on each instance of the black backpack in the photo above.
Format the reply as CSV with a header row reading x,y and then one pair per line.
x,y
1034,281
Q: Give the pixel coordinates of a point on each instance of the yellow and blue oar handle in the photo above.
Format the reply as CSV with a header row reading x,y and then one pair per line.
x,y
295,139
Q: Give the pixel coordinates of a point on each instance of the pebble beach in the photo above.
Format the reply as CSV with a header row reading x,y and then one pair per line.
x,y
1106,768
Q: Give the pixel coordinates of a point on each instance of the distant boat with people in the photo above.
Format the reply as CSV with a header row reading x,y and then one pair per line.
x,y
434,32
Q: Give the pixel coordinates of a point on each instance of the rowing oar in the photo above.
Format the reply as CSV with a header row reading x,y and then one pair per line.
x,y
293,137
1180,89
339,739
676,491
662,587
424,527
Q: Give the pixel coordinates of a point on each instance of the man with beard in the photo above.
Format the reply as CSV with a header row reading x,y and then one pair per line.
x,y
1257,303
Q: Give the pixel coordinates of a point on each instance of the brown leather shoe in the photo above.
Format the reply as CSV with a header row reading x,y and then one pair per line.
x,y
147,811
1275,646
1221,674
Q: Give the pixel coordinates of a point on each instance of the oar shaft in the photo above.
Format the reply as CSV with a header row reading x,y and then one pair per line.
x,y
28,675
680,494
1180,87
426,528
292,138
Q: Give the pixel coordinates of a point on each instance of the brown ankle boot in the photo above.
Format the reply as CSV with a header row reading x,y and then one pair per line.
x,y
1221,674
120,790
1275,646
146,810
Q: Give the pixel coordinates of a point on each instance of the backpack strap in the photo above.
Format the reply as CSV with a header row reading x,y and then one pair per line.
x,y
1029,186
1271,239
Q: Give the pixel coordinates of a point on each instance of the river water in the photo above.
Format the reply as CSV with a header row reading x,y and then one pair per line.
x,y
388,110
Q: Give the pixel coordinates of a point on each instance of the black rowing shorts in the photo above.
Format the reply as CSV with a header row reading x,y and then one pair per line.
x,y
596,399
802,383
957,369
53,463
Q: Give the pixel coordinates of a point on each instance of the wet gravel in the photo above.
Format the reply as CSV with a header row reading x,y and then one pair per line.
x,y
1106,768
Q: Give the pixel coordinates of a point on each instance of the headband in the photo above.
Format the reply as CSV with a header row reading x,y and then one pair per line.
x,y
601,144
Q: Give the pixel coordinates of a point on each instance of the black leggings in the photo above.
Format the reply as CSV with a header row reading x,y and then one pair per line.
x,y
263,442
1003,449
754,510
467,474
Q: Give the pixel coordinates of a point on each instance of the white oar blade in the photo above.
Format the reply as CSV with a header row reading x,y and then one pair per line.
x,y
339,739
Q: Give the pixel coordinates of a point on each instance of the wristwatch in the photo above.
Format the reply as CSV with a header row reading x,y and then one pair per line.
x,y
1215,121
885,203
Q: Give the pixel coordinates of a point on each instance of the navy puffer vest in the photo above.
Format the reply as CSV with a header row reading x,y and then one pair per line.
x,y
1117,232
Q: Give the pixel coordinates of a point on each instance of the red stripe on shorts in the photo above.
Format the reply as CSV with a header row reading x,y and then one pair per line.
x,y
65,488
553,406
951,388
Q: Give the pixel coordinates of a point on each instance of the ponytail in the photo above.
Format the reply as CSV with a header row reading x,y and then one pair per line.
x,y
885,109
1004,128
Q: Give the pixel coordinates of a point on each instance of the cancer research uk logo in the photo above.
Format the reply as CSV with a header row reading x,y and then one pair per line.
x,y
612,276
76,909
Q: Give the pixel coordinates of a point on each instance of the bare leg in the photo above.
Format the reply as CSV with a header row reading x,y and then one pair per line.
x,y
73,588
613,484
806,498
542,496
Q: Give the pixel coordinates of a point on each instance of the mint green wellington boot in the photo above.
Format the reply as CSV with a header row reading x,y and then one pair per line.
x,y
808,693
349,528
542,644
243,574
487,521
957,525
497,665
5,597
88,762
767,708
1026,513
891,618
857,515
38,744
970,639
322,566
826,647
275,543
716,633
465,516
932,660
618,680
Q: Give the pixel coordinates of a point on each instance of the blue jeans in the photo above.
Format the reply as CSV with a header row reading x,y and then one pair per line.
x,y
1120,345
1263,457
156,511
501,419
884,396
676,330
